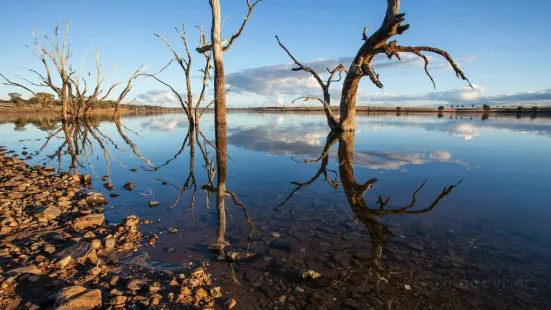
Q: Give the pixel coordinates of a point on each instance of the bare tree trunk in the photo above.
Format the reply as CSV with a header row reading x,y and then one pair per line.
x,y
375,44
220,119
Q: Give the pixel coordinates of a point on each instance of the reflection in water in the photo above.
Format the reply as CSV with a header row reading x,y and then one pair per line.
x,y
367,247
368,216
79,143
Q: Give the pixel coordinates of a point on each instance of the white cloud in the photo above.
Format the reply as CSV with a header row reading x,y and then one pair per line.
x,y
159,97
277,80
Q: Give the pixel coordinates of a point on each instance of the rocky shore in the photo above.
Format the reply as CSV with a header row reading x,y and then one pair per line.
x,y
57,250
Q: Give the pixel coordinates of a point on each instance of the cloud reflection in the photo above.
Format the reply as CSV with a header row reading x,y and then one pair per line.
x,y
307,140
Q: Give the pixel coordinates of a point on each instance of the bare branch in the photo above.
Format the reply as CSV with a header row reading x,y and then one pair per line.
x,y
245,21
10,83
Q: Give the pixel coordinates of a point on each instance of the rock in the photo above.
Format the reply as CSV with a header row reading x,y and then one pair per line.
x,y
49,213
96,244
282,299
132,221
129,186
200,293
62,263
230,304
4,253
86,179
233,256
309,273
109,242
153,203
174,282
173,230
77,297
49,249
299,289
108,185
117,300
96,199
88,221
32,269
113,195
276,234
114,280
147,222
134,285
216,292
89,235
78,251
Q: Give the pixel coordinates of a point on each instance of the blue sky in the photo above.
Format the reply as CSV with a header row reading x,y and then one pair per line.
x,y
501,46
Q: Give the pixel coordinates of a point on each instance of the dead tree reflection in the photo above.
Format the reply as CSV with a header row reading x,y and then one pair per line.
x,y
355,192
83,139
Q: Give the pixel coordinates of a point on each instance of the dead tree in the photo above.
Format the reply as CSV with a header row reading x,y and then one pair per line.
x,y
377,43
67,82
57,53
218,47
190,108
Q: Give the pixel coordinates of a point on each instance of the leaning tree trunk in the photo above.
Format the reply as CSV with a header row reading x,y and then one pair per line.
x,y
377,43
220,118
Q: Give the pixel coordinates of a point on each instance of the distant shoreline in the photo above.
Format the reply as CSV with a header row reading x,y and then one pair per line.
x,y
276,109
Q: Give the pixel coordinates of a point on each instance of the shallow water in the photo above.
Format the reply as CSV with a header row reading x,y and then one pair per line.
x,y
485,244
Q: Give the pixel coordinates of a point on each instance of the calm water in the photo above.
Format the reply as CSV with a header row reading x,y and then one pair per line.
x,y
485,244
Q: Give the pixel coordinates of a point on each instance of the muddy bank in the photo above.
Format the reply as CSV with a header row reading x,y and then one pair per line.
x,y
57,251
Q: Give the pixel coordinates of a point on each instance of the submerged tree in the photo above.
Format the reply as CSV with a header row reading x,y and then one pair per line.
x,y
377,43
218,47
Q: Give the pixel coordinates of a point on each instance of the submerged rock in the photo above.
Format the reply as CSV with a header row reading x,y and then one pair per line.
x,y
309,273
129,186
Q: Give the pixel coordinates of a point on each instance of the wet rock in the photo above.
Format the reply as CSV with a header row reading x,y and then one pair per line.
x,y
230,303
234,256
129,186
276,234
173,230
49,213
153,203
109,185
113,195
96,199
216,292
309,273
88,221
77,297
86,179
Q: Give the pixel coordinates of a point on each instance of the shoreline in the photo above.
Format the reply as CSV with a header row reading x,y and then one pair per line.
x,y
57,249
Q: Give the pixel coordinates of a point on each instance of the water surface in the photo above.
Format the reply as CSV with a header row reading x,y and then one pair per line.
x,y
320,201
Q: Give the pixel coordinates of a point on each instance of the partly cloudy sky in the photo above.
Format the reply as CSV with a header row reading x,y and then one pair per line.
x,y
320,33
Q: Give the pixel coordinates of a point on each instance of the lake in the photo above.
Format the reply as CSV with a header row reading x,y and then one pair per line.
x,y
408,212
